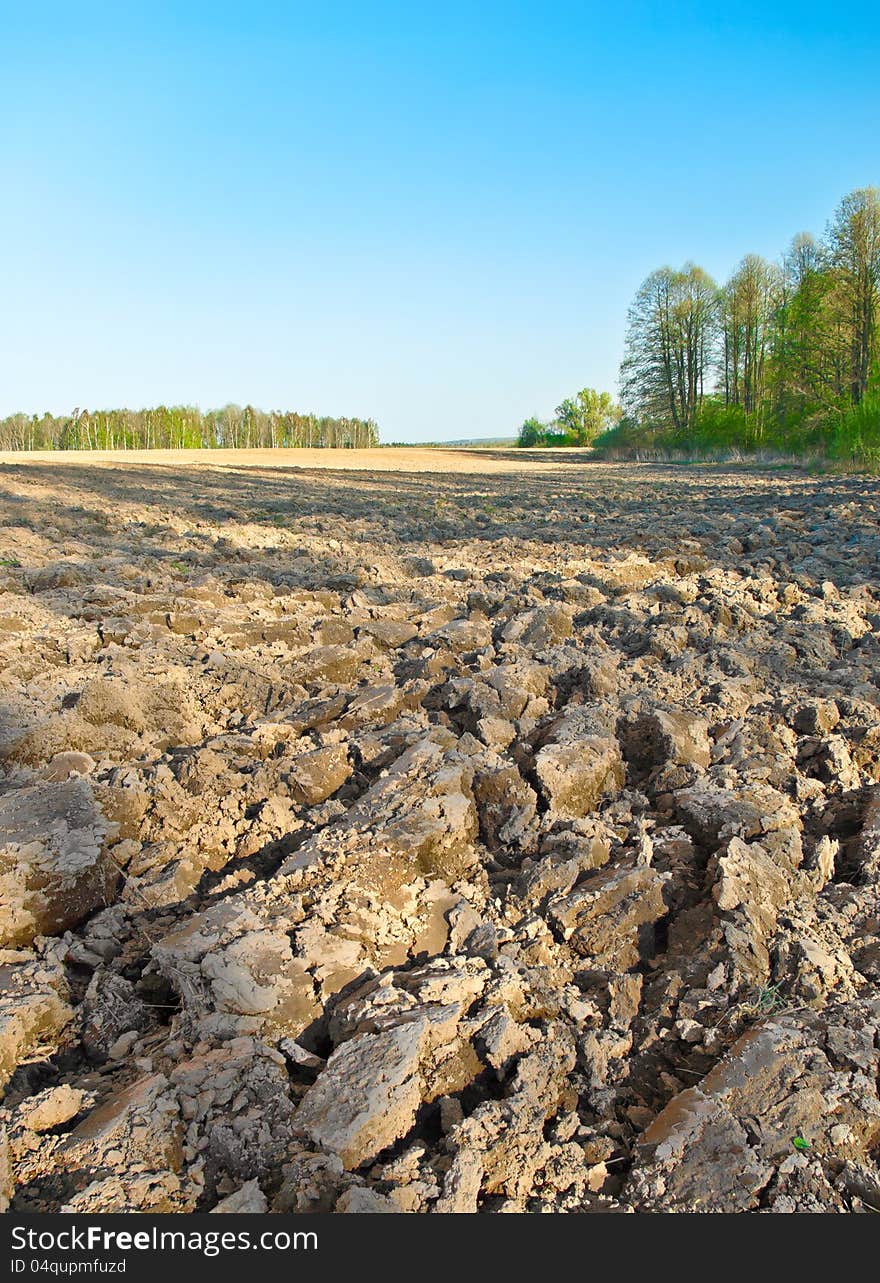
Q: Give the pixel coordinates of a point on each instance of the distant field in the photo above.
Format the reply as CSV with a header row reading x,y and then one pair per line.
x,y
399,459
465,443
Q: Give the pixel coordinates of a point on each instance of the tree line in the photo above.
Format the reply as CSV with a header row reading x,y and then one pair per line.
x,y
184,427
783,356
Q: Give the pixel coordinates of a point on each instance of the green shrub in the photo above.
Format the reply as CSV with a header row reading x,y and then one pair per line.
x,y
854,432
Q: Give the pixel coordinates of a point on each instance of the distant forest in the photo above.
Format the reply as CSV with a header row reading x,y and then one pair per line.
x,y
184,428
784,357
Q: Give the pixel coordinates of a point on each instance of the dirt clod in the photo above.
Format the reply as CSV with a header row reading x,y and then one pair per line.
x,y
503,837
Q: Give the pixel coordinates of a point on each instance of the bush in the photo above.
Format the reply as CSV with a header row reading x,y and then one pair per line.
x,y
535,433
531,433
850,434
855,432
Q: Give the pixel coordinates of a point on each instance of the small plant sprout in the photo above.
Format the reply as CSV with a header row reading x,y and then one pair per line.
x,y
769,998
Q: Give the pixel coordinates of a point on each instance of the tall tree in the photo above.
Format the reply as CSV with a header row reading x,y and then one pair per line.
x,y
747,311
854,247
670,347
806,370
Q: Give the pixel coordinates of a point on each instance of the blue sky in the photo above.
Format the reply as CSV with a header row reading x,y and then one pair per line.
x,y
435,215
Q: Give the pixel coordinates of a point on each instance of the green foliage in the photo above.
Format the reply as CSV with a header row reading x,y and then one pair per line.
x,y
535,433
183,428
768,999
587,415
531,433
579,420
720,426
854,432
671,330
781,360
556,435
722,432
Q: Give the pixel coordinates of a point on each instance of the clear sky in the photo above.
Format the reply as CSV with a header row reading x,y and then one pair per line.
x,y
432,214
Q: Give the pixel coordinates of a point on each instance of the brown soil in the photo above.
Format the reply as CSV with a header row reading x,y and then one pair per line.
x,y
437,830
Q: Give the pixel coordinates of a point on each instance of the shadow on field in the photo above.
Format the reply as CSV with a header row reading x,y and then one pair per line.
x,y
617,508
